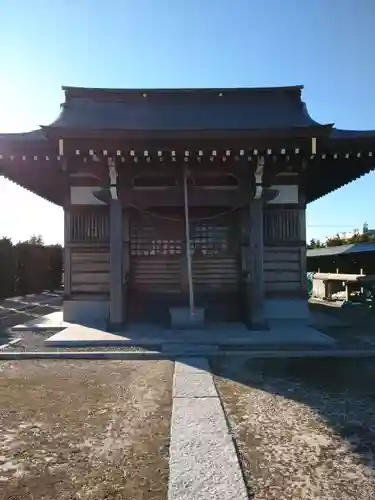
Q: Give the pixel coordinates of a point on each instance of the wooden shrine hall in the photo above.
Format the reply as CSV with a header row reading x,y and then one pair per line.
x,y
185,201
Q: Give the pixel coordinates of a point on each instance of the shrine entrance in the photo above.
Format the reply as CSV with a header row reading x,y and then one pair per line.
x,y
158,267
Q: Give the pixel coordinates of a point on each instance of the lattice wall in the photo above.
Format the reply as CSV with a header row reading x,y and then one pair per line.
x,y
86,227
283,226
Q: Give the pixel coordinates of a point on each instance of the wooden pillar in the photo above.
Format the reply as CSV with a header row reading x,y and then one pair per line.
x,y
328,290
303,253
67,255
125,261
115,259
256,252
67,224
245,266
347,291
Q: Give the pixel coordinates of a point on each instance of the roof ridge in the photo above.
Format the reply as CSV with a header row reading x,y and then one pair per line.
x,y
178,90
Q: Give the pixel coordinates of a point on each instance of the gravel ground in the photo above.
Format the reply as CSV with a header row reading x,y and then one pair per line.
x,y
85,430
305,429
34,342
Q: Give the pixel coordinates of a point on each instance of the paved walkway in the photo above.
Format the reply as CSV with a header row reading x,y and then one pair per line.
x,y
203,461
282,333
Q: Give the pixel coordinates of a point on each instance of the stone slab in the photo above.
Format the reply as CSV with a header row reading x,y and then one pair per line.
x,y
53,321
12,343
80,333
282,333
205,469
191,365
203,463
205,414
193,385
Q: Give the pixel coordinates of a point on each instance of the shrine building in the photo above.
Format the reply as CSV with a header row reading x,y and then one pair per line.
x,y
185,199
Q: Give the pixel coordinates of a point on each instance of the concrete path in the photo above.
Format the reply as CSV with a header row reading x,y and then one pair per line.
x,y
203,463
280,333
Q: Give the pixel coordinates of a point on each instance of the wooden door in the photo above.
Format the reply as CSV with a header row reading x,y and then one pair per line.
x,y
158,267
157,264
215,266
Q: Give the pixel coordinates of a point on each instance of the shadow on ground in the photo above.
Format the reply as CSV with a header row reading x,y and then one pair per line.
x,y
16,310
332,400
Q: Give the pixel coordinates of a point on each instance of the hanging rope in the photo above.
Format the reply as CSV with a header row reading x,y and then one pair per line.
x,y
177,219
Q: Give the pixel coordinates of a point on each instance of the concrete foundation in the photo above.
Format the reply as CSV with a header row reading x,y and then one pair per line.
x,y
281,333
182,319
289,309
86,312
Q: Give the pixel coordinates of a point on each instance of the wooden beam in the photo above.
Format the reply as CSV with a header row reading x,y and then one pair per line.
x,y
174,197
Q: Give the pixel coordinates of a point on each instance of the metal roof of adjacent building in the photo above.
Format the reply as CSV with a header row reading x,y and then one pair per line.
x,y
342,249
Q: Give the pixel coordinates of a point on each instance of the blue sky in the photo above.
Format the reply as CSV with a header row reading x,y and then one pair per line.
x,y
326,45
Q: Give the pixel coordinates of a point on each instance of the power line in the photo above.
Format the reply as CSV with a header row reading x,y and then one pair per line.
x,y
330,225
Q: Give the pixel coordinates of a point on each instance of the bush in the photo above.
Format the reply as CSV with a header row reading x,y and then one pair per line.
x,y
29,267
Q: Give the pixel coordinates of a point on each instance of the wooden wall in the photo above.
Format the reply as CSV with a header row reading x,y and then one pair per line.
x,y
90,271
87,253
285,252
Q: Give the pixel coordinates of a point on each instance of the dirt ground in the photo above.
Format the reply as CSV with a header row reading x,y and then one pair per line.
x,y
84,430
305,429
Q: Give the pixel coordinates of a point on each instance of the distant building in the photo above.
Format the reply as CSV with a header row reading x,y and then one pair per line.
x,y
350,259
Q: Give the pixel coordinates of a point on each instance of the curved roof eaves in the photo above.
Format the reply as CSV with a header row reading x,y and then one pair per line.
x,y
34,135
352,134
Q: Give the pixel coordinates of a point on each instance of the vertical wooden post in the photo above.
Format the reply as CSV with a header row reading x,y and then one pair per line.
x,y
67,224
303,252
256,251
245,266
67,255
126,261
115,259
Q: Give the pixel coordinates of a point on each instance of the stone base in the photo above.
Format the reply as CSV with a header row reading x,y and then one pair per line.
x,y
289,309
182,319
86,312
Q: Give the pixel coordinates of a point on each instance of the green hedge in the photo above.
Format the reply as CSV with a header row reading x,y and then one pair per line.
x,y
29,267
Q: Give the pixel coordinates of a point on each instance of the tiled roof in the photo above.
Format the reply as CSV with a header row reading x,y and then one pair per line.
x,y
179,109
